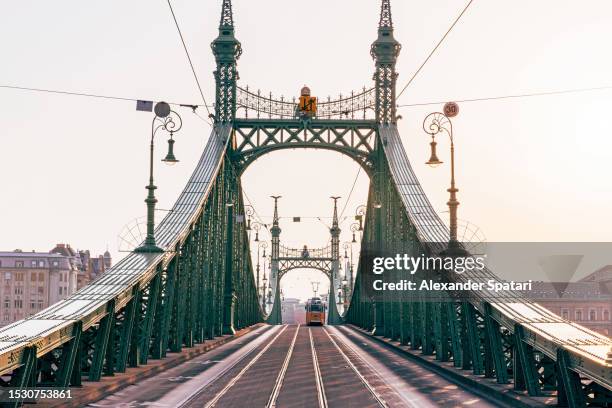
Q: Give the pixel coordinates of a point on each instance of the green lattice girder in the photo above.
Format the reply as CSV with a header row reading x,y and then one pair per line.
x,y
255,137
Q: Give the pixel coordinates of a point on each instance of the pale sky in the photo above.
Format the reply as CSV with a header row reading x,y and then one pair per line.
x,y
533,169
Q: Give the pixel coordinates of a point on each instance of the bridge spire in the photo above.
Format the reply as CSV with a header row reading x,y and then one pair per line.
x,y
227,16
227,50
385,51
385,15
334,316
275,231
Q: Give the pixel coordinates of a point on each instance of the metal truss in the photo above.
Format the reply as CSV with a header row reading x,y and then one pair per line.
x,y
133,313
256,137
322,264
502,336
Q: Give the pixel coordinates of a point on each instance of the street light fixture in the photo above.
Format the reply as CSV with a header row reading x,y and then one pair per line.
x,y
435,123
170,121
264,245
256,226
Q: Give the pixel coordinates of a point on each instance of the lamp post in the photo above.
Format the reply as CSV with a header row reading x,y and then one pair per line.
x,y
264,245
255,226
263,289
248,211
170,121
345,291
435,123
315,287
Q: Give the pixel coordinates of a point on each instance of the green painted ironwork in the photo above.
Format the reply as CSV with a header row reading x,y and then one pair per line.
x,y
202,285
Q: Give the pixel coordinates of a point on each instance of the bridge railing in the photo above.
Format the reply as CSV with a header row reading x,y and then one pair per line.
x,y
286,252
567,344
141,285
356,105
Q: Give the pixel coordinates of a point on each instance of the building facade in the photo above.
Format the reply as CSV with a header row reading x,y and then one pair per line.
x,y
32,281
587,302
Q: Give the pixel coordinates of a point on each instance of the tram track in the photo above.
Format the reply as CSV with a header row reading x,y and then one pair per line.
x,y
191,399
237,377
283,371
322,399
377,397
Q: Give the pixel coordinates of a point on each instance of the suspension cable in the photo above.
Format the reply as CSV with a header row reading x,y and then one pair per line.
x,y
178,28
434,49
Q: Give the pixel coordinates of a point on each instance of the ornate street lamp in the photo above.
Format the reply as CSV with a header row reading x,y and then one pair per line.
x,y
354,228
434,124
248,211
256,226
345,291
264,245
170,121
360,214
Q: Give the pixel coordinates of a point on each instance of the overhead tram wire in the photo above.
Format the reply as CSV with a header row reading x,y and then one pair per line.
x,y
434,49
178,28
85,94
515,96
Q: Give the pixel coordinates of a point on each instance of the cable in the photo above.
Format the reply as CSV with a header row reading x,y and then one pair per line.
x,y
351,192
89,95
526,95
189,59
434,50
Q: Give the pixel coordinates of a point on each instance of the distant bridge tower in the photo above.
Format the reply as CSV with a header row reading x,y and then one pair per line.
x,y
227,50
333,316
385,51
276,317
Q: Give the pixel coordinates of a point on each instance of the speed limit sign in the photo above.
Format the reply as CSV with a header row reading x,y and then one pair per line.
x,y
451,109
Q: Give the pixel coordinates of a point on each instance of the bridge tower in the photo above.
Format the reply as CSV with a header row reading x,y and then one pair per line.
x,y
227,50
384,51
333,316
276,316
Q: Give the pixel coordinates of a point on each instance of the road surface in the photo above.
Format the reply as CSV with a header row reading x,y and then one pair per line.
x,y
296,366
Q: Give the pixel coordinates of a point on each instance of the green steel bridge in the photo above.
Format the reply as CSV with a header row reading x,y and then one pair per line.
x,y
202,285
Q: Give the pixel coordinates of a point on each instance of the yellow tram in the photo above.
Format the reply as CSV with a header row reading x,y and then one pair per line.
x,y
315,312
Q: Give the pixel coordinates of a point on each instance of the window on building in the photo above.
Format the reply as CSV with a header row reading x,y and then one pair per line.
x,y
8,276
579,314
55,263
592,315
34,264
41,290
40,303
60,290
19,276
19,290
18,303
6,318
565,314
32,305
33,276
7,303
606,315
41,264
18,264
41,277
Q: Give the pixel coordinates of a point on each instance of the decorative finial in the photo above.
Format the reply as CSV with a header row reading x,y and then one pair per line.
x,y
385,15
